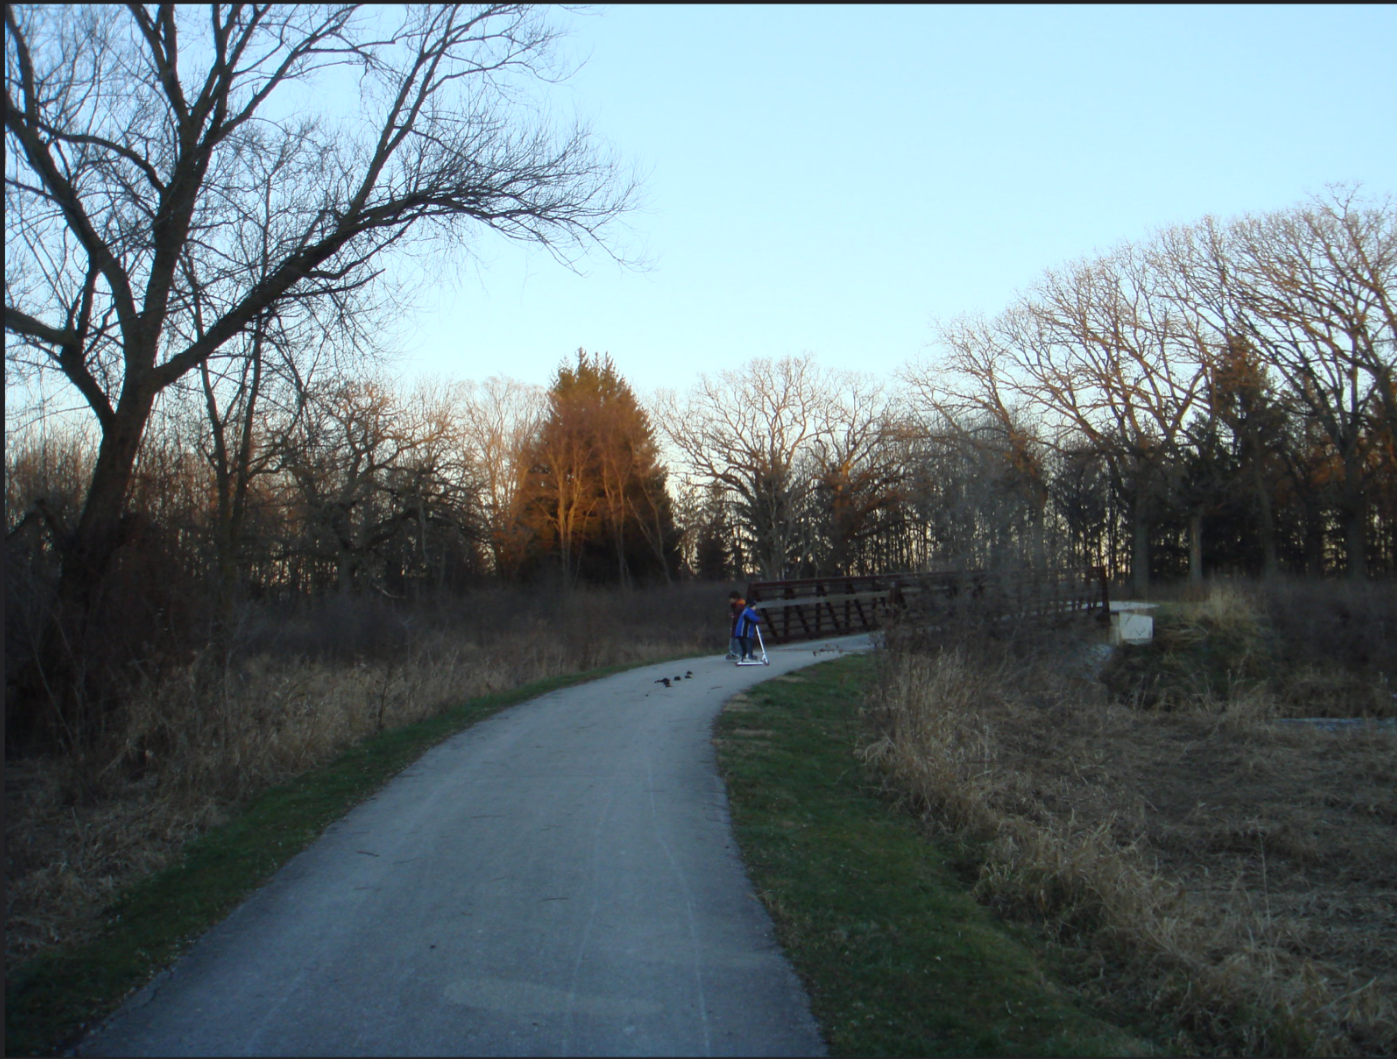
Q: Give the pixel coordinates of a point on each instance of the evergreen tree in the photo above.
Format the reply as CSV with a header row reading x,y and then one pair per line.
x,y
597,504
713,559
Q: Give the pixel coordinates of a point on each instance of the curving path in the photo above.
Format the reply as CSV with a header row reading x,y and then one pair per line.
x,y
560,879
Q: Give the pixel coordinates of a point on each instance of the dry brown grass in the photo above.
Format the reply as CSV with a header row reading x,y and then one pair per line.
x,y
287,698
1229,877
1325,649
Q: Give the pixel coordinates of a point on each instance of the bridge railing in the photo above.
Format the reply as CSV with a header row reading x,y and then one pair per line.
x,y
817,607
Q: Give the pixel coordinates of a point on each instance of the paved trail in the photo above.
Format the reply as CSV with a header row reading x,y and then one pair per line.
x,y
560,879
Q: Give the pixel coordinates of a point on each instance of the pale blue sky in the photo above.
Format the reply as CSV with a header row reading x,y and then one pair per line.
x,y
833,179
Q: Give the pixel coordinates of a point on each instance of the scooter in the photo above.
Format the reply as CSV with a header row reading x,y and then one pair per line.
x,y
752,661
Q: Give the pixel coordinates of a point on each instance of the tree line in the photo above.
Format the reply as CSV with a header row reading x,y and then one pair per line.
x,y
1219,399
1231,382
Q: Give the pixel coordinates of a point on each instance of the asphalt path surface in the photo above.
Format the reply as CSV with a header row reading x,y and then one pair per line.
x,y
560,879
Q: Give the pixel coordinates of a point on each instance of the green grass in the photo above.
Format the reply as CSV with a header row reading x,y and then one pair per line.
x,y
898,958
52,999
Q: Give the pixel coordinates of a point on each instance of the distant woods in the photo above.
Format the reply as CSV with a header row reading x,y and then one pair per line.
x,y
1218,400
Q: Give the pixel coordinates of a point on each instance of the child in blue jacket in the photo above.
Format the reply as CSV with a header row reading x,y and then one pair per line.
x,y
746,622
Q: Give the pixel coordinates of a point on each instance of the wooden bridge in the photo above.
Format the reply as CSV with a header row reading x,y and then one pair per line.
x,y
813,608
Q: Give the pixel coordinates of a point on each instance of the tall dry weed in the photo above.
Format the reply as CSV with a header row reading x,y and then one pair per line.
x,y
1241,645
944,757
1313,649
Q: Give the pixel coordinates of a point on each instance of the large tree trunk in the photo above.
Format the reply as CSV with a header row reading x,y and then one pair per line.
x,y
1353,516
1140,553
658,542
623,570
59,693
1195,548
232,476
1270,566
564,534
98,531
1314,538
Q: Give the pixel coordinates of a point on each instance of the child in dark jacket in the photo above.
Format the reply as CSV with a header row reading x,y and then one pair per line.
x,y
736,604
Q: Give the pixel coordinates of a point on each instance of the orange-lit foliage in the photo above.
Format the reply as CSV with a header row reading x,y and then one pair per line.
x,y
594,495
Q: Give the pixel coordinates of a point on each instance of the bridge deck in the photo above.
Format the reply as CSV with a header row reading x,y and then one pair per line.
x,y
812,608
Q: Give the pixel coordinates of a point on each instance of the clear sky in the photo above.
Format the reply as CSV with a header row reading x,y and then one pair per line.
x,y
833,179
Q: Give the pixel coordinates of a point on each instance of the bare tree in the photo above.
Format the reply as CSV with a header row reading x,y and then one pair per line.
x,y
1197,279
1121,371
975,426
138,141
1316,287
253,392
500,419
1253,357
1356,241
437,483
748,429
255,385
368,465
1094,349
859,468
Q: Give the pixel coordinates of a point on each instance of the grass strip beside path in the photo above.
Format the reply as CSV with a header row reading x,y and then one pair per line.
x,y
898,958
53,998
